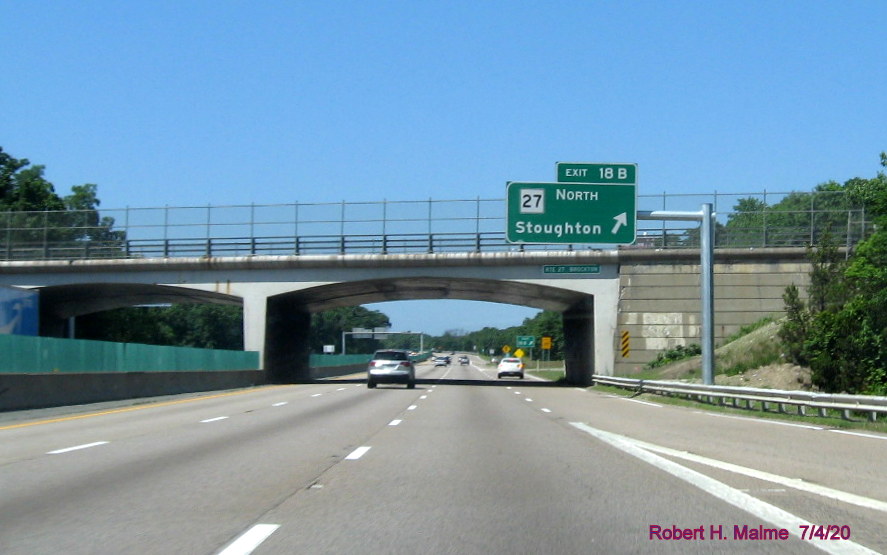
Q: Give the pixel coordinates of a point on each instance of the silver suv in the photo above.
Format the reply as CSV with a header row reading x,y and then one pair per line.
x,y
391,366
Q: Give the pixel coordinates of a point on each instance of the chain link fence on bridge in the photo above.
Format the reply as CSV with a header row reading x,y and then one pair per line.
x,y
744,220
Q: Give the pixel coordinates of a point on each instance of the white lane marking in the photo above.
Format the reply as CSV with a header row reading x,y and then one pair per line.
x,y
528,400
317,394
341,389
546,410
395,422
795,483
742,501
859,434
280,404
649,404
423,397
250,540
357,453
517,392
76,448
759,420
216,419
412,407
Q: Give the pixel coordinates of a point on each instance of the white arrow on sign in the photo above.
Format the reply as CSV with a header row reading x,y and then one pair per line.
x,y
621,220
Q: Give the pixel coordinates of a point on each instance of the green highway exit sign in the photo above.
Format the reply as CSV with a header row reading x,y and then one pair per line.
x,y
526,341
571,213
582,172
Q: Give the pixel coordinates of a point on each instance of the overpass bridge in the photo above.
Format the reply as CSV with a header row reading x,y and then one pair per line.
x,y
281,269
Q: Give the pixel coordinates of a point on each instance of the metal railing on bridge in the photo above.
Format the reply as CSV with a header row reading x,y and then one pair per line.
x,y
390,227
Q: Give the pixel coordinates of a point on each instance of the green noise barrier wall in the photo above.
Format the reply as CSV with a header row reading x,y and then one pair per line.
x,y
50,355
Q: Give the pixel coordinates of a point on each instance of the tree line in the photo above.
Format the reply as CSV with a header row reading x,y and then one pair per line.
x,y
840,329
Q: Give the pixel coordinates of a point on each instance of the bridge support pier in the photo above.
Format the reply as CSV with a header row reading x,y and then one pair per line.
x,y
287,351
579,342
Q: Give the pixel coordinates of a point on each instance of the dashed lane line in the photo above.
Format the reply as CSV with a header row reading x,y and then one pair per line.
x,y
357,453
77,447
250,540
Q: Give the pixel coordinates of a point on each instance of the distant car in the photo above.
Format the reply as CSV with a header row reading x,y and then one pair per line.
x,y
442,361
463,359
391,366
511,366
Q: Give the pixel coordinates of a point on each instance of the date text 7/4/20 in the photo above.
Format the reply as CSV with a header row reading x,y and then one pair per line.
x,y
747,533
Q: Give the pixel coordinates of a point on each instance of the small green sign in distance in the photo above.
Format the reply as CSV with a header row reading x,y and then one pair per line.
x,y
572,269
582,172
526,341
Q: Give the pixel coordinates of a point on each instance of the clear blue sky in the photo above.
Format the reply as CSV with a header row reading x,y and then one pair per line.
x,y
221,102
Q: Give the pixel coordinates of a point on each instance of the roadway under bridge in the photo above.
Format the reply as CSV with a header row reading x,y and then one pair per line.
x,y
279,293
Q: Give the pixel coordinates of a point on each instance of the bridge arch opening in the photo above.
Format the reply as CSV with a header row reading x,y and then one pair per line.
x,y
288,317
59,304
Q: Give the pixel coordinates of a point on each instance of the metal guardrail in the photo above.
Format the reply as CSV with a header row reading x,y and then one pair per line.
x,y
802,400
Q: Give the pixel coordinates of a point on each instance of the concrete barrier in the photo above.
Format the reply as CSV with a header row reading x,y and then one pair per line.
x,y
32,391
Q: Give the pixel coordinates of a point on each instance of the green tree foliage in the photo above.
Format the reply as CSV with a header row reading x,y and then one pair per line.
x,y
327,328
208,326
798,219
546,323
35,216
841,331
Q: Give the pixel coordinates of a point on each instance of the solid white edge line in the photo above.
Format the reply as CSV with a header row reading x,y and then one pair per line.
x,y
794,483
357,453
859,434
760,420
738,499
250,540
76,448
649,404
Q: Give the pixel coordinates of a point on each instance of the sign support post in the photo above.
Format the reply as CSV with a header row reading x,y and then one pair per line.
x,y
706,274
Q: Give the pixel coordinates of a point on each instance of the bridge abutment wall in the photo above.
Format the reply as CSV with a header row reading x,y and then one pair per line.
x,y
659,297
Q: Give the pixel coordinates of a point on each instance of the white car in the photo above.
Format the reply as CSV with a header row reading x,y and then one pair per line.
x,y
511,366
391,366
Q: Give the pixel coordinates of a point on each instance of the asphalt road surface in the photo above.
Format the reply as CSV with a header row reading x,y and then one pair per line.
x,y
463,464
